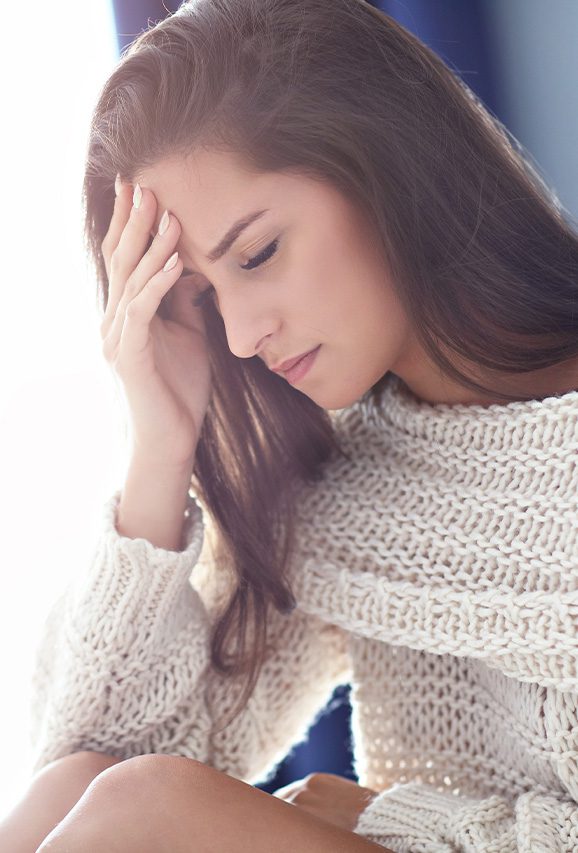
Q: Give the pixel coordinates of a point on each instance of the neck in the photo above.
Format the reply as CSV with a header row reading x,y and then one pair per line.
x,y
429,383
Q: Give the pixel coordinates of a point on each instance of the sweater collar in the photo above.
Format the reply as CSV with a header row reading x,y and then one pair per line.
x,y
548,423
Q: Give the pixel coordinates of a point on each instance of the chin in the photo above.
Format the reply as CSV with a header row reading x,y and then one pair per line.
x,y
338,398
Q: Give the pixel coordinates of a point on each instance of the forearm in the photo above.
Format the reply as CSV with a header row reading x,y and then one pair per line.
x,y
128,625
153,502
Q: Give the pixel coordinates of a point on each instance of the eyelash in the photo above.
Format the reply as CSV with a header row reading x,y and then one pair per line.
x,y
251,264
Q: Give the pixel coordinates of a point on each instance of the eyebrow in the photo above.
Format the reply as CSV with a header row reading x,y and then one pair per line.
x,y
232,234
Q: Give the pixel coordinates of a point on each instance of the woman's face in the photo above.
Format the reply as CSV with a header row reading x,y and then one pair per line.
x,y
322,281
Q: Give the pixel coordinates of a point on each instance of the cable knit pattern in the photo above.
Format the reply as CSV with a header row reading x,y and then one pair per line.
x,y
436,570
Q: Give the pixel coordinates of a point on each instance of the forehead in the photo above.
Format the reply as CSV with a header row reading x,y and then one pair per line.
x,y
209,190
202,187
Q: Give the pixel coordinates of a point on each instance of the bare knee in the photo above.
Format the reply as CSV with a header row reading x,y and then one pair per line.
x,y
148,775
52,792
65,779
124,806
85,760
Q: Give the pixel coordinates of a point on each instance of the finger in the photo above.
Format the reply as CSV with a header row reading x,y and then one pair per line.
x,y
122,208
120,214
157,253
130,331
288,792
154,259
133,243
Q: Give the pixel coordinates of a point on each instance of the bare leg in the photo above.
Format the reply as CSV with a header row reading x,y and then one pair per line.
x,y
170,804
53,791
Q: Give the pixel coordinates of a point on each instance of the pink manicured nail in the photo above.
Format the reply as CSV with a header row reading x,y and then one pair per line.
x,y
137,196
172,261
164,223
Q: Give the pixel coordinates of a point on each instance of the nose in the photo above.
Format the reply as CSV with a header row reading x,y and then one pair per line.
x,y
248,326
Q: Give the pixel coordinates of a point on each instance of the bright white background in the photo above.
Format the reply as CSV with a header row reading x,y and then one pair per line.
x,y
60,428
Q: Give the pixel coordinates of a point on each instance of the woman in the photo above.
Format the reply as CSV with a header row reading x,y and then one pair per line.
x,y
397,510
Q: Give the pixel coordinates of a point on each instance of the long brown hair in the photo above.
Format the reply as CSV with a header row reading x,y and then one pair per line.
x,y
484,258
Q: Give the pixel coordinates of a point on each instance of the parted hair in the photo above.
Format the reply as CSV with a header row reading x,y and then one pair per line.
x,y
482,255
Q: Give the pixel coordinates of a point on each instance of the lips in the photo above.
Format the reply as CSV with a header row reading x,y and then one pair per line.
x,y
287,365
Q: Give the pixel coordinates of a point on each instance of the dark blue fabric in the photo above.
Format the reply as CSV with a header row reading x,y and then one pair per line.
x,y
457,31
327,749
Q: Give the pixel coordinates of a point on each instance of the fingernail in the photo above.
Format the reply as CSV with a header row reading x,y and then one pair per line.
x,y
164,223
171,262
137,196
117,184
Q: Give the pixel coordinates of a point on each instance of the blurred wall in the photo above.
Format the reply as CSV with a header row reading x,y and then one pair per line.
x,y
535,51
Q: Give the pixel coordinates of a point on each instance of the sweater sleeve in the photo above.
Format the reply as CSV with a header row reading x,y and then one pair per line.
x,y
417,818
123,665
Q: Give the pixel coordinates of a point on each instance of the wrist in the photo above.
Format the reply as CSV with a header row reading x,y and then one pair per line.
x,y
153,501
161,461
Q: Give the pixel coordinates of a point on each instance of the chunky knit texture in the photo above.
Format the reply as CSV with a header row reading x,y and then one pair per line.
x,y
436,570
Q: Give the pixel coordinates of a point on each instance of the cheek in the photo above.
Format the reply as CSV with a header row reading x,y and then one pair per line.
x,y
333,281
326,285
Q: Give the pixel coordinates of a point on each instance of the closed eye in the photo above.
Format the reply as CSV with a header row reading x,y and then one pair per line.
x,y
261,257
251,264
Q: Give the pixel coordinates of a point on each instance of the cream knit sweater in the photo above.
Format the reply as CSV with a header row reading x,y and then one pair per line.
x,y
437,571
